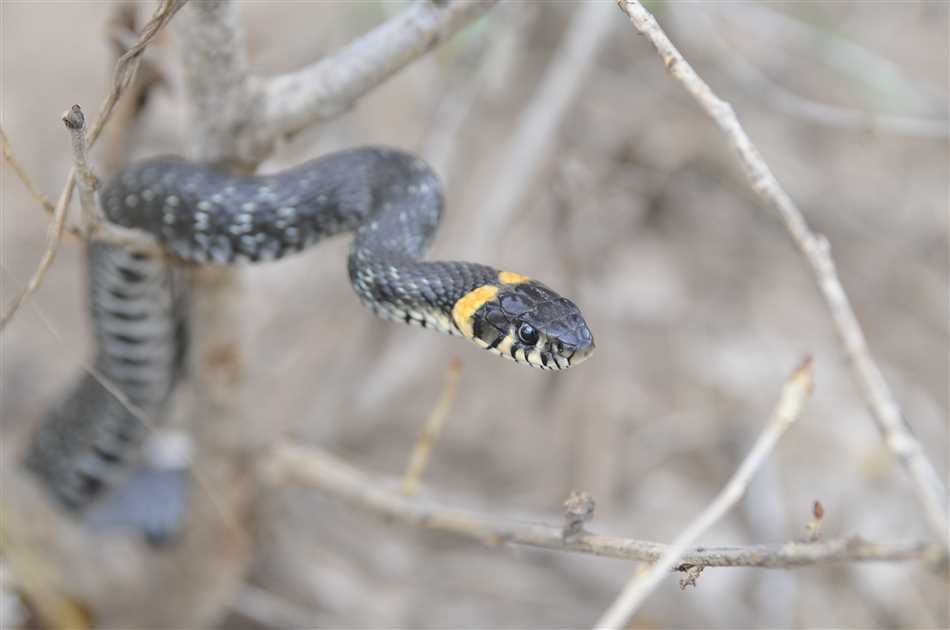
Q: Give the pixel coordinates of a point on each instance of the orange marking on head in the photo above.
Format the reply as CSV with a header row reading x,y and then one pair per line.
x,y
507,277
466,306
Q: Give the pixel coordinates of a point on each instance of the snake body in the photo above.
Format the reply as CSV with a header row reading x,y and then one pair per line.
x,y
90,439
392,201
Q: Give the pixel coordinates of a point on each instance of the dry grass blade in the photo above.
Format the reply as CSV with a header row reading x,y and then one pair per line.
x,y
10,157
127,65
530,146
54,235
433,427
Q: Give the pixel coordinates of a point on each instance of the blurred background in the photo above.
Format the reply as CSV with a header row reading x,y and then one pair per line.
x,y
698,301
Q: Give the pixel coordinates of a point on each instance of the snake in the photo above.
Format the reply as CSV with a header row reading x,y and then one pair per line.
x,y
200,213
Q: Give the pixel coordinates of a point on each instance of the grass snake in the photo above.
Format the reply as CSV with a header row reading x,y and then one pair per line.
x,y
393,202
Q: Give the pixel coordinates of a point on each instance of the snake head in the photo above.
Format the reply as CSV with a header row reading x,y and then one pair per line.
x,y
527,322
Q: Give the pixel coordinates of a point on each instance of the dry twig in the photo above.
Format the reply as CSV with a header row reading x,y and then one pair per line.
x,y
75,122
123,74
759,84
795,393
929,488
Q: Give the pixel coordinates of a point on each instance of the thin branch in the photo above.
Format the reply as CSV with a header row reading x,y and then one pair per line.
x,y
292,101
795,393
537,127
759,84
930,490
40,198
430,432
857,62
332,476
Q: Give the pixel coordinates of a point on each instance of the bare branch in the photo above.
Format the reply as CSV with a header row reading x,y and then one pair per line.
x,y
930,490
538,123
332,476
292,101
795,393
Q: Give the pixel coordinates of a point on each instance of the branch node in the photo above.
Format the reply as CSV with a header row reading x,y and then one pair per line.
x,y
692,573
814,525
74,118
578,509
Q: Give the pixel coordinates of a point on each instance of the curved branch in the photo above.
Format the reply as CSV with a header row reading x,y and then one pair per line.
x,y
292,101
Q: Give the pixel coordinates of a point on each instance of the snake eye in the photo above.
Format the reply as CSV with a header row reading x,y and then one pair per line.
x,y
527,334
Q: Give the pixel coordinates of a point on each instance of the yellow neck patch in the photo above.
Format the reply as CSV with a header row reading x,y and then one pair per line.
x,y
507,277
466,306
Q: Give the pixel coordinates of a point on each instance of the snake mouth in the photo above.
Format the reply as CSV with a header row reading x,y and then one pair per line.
x,y
581,354
566,356
573,355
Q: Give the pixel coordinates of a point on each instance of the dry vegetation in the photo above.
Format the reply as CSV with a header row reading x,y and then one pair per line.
x,y
637,208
